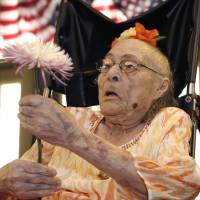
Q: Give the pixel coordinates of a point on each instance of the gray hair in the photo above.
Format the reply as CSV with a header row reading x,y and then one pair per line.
x,y
167,99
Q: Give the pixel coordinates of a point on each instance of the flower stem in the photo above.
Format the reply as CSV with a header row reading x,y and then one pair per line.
x,y
37,91
39,144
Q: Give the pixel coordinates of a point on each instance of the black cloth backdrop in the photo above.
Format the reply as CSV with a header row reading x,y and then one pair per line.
x,y
87,34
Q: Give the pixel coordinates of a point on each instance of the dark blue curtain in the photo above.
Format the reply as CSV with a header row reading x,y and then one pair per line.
x,y
87,34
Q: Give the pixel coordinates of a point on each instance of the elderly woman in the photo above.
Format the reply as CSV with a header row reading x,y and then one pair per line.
x,y
136,147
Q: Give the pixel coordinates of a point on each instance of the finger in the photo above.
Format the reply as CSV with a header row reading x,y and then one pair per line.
x,y
33,130
41,179
26,187
28,111
33,111
37,125
36,168
42,128
40,132
35,194
31,100
31,120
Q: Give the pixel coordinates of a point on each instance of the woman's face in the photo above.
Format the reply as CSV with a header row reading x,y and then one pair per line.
x,y
132,90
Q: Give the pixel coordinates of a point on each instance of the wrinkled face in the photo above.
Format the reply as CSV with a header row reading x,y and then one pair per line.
x,y
128,90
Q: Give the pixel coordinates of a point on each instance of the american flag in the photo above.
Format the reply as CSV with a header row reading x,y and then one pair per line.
x,y
21,18
121,10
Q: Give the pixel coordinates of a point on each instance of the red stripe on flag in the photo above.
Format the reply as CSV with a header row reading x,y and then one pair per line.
x,y
27,18
109,7
9,22
21,4
117,19
37,30
29,3
40,12
34,31
50,38
8,8
11,36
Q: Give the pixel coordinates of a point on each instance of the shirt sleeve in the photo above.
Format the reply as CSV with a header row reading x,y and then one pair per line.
x,y
174,174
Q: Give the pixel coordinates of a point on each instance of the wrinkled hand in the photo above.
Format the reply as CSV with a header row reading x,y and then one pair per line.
x,y
28,180
47,120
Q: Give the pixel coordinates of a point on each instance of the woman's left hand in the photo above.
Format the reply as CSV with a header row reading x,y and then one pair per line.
x,y
47,120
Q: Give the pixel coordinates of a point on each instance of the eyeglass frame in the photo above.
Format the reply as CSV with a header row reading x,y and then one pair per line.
x,y
119,64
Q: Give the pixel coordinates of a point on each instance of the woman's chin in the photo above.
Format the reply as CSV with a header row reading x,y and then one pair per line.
x,y
108,109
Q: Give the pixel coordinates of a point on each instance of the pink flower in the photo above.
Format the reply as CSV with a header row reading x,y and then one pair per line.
x,y
48,57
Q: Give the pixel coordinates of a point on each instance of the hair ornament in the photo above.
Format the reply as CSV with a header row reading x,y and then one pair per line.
x,y
141,33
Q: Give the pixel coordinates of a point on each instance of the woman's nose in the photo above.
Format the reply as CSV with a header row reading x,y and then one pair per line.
x,y
114,74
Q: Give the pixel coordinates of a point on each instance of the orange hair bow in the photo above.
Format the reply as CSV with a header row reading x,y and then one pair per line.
x,y
139,32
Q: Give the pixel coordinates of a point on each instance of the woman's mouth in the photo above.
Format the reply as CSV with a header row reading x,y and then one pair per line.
x,y
111,94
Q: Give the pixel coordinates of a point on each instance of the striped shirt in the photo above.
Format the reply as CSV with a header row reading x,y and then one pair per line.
x,y
160,157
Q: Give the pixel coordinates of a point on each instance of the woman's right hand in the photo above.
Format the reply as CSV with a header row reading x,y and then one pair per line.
x,y
28,180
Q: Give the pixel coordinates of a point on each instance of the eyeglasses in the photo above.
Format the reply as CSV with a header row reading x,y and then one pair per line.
x,y
126,66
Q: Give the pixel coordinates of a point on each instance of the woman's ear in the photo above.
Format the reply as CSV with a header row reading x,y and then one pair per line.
x,y
162,88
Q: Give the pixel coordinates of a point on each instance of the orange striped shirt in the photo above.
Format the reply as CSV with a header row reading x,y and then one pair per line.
x,y
161,159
